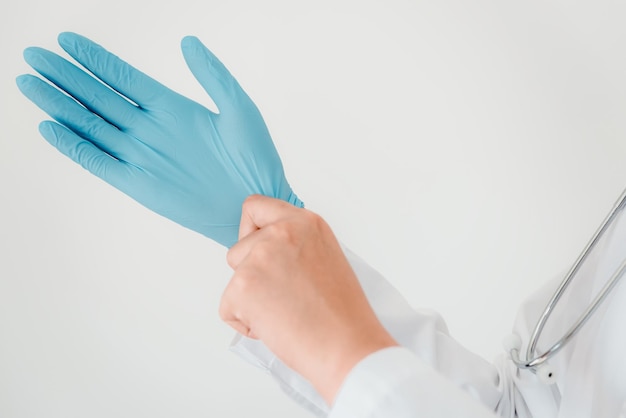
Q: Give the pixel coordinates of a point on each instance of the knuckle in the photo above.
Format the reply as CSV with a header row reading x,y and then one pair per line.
x,y
251,199
241,282
231,258
93,128
259,255
314,221
92,161
224,310
280,231
81,152
235,297
312,217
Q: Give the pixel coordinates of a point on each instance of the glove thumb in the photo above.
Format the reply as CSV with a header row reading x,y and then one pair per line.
x,y
210,72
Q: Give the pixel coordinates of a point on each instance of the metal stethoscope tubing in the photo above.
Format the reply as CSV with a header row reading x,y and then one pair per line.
x,y
537,363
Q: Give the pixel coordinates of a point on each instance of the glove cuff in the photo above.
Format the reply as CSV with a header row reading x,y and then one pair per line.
x,y
294,200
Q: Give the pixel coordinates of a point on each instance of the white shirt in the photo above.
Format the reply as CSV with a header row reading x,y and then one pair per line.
x,y
432,375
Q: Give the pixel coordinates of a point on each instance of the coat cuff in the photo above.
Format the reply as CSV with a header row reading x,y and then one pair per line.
x,y
394,382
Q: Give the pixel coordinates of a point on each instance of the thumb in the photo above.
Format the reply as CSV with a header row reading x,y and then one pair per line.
x,y
210,72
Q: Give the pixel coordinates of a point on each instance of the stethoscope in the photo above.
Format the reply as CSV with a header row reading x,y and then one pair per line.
x,y
537,363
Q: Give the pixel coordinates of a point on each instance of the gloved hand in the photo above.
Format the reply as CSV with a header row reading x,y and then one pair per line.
x,y
168,152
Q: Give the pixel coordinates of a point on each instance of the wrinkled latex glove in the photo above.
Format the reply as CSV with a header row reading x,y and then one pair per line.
x,y
167,152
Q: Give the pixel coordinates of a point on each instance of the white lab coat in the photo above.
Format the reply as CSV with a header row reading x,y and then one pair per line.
x,y
432,375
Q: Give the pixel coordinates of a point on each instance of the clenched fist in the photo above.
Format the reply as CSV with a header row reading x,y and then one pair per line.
x,y
293,289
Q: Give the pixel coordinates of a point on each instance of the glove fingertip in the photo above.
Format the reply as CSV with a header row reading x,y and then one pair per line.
x,y
32,55
192,48
46,129
22,81
29,85
295,200
68,39
76,45
189,41
64,37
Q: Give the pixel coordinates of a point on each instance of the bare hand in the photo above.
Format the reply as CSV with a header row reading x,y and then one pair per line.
x,y
294,289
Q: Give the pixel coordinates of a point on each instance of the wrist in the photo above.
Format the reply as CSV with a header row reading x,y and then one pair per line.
x,y
347,353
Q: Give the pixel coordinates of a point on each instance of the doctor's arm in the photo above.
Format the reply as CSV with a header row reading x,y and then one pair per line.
x,y
294,290
196,167
442,362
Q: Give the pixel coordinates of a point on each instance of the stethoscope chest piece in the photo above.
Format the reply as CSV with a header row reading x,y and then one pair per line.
x,y
512,345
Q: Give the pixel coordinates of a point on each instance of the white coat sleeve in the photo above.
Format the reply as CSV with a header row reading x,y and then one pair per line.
x,y
423,333
394,382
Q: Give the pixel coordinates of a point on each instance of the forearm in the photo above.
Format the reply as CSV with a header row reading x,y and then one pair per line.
x,y
424,333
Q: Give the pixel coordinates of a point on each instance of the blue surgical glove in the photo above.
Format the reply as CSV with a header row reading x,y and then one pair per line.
x,y
164,150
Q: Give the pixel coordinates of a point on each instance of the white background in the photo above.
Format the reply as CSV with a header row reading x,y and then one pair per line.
x,y
465,149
